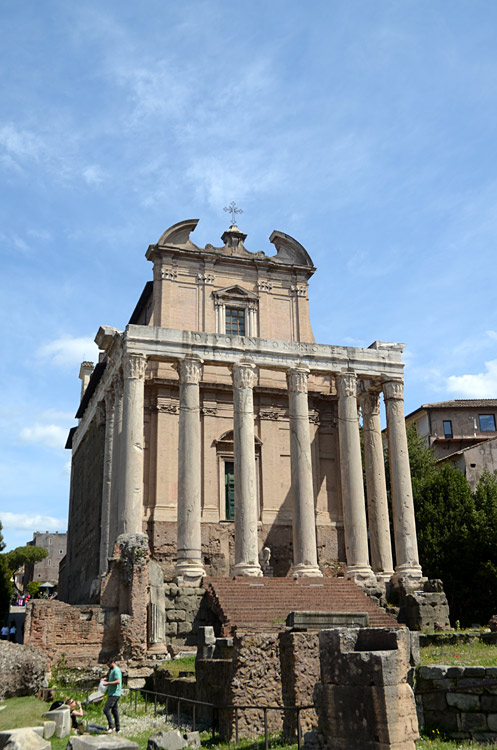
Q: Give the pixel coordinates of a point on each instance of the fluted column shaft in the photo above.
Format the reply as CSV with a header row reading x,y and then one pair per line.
x,y
354,507
246,541
376,488
305,560
105,514
404,524
130,520
189,568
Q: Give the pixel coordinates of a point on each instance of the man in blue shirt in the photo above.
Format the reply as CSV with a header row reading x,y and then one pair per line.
x,y
114,683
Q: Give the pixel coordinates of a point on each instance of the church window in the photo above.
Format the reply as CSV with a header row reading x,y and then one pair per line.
x,y
487,422
235,321
447,428
229,490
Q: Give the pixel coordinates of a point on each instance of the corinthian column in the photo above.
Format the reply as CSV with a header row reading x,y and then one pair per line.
x,y
246,543
131,508
189,568
354,507
116,484
305,559
406,545
107,482
379,525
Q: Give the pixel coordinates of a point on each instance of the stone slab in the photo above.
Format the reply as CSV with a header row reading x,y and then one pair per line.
x,y
27,738
324,620
101,742
173,740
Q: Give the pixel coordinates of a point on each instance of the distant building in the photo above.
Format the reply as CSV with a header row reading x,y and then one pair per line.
x,y
463,431
47,569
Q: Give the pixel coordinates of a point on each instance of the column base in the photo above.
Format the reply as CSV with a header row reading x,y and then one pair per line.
x,y
410,576
189,572
361,574
247,569
301,570
157,649
383,576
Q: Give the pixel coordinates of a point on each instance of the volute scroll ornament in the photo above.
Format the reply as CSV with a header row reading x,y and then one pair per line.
x,y
134,366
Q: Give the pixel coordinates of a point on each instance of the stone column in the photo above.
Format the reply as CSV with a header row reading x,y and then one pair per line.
x,y
105,540
115,489
408,568
189,568
131,508
305,559
376,488
246,540
354,507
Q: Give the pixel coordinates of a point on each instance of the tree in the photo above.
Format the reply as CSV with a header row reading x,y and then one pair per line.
x,y
33,588
28,555
6,587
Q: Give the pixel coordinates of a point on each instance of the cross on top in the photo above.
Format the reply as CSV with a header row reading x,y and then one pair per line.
x,y
233,210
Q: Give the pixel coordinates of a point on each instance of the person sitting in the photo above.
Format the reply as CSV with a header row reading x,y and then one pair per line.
x,y
75,710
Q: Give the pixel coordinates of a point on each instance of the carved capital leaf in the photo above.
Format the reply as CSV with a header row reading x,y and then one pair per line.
x,y
244,375
134,366
346,384
190,370
394,389
297,379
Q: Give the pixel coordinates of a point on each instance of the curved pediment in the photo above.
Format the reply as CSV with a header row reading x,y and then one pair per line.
x,y
289,251
179,234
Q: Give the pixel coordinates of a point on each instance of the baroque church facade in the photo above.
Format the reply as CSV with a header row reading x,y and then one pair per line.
x,y
217,426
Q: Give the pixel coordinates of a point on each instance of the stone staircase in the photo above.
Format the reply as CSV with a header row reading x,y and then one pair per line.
x,y
262,604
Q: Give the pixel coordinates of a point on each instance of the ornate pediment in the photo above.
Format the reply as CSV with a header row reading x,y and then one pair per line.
x,y
235,293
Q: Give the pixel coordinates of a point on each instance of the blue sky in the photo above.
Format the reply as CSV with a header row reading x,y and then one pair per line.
x,y
366,130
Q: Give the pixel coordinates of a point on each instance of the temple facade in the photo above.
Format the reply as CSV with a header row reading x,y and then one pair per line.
x,y
217,426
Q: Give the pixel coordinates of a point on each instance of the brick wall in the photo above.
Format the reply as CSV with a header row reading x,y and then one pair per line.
x,y
75,632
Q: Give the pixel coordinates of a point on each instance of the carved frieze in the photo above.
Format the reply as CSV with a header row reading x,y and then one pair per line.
x,y
300,290
297,379
269,413
314,417
208,411
264,285
169,274
169,408
205,278
134,366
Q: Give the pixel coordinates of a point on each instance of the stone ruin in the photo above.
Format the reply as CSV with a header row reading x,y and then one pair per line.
x,y
363,700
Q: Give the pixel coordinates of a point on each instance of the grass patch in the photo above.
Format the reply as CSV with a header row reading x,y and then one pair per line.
x,y
474,653
175,666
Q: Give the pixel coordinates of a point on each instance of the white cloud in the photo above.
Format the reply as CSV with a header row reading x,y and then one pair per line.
x,y
482,385
33,522
20,144
69,351
93,175
52,435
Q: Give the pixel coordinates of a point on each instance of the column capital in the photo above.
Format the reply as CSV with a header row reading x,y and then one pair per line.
x,y
346,384
370,402
190,370
134,366
243,375
394,390
297,379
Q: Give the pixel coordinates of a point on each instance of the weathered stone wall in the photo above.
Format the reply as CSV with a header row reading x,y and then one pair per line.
x,y
461,701
84,517
184,614
83,635
22,669
299,656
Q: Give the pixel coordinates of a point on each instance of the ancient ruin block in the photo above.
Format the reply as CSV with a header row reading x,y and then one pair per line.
x,y
363,701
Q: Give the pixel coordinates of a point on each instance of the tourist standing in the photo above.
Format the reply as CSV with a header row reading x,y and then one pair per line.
x,y
12,631
114,685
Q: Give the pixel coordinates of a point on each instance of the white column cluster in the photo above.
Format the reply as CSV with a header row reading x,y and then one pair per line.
x,y
406,546
376,488
354,507
189,568
246,538
131,509
305,562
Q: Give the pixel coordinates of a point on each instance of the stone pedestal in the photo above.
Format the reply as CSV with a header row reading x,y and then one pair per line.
x,y
246,541
354,507
408,568
131,507
305,561
376,488
189,568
